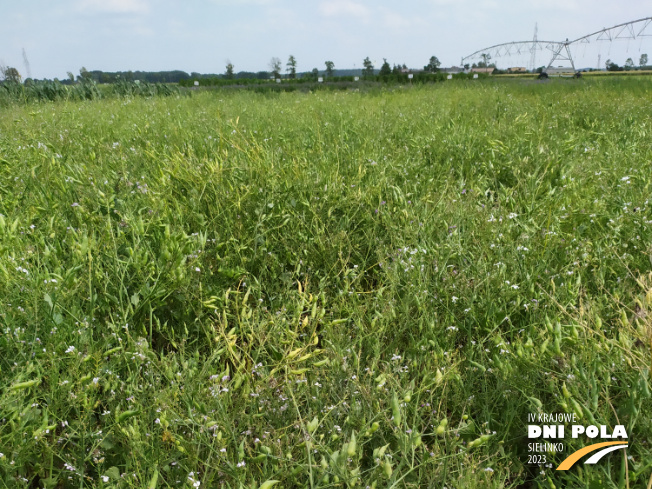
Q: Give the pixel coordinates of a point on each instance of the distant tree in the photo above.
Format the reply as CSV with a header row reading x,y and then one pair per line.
x,y
466,66
485,60
385,69
629,64
11,74
368,67
275,67
71,77
314,73
330,68
643,61
433,65
611,66
84,75
291,67
229,70
396,70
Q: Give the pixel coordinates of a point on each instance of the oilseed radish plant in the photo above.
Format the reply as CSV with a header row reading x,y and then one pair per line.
x,y
330,289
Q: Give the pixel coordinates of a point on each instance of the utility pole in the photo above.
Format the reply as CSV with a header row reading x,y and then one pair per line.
x,y
533,58
26,62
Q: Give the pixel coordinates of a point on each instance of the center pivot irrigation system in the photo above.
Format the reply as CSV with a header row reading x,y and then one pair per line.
x,y
561,51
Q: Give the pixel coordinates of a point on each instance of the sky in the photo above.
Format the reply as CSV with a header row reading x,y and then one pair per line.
x,y
59,36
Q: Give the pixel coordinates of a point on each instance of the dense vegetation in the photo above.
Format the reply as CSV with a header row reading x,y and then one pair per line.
x,y
327,289
52,91
390,78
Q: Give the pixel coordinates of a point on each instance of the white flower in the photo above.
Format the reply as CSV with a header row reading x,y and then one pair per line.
x,y
70,349
105,478
512,215
241,464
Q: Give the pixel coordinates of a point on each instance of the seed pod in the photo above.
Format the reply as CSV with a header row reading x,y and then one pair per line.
x,y
387,468
577,409
352,446
373,429
25,385
126,415
564,390
381,451
153,480
312,425
438,377
396,410
268,484
544,346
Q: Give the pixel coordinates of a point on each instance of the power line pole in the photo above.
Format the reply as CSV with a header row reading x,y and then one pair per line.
x,y
28,71
533,58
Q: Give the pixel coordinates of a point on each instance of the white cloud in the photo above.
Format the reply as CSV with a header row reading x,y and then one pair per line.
x,y
396,22
348,8
115,6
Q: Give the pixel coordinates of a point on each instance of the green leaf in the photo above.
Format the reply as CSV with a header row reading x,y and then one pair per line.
x,y
268,484
113,473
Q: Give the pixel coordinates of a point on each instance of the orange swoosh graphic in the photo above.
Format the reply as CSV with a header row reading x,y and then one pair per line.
x,y
574,457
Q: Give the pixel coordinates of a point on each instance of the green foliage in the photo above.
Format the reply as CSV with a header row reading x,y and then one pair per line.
x,y
369,288
368,67
291,67
385,69
643,60
275,67
11,75
229,71
433,65
330,69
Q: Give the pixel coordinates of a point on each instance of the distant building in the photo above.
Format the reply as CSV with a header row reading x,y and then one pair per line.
x,y
517,69
453,70
488,71
560,70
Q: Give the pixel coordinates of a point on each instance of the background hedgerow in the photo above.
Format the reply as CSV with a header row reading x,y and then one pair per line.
x,y
326,289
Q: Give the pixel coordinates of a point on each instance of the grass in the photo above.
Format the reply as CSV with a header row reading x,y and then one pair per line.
x,y
327,289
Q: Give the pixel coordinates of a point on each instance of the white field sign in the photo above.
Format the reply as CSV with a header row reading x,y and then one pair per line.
x,y
320,79
196,83
449,77
475,75
410,76
356,78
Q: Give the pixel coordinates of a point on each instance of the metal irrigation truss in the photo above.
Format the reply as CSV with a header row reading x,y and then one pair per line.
x,y
560,50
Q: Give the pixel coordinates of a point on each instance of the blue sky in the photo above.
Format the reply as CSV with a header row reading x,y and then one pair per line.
x,y
201,35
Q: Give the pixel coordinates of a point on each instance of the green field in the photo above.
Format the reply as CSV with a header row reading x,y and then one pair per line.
x,y
330,289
